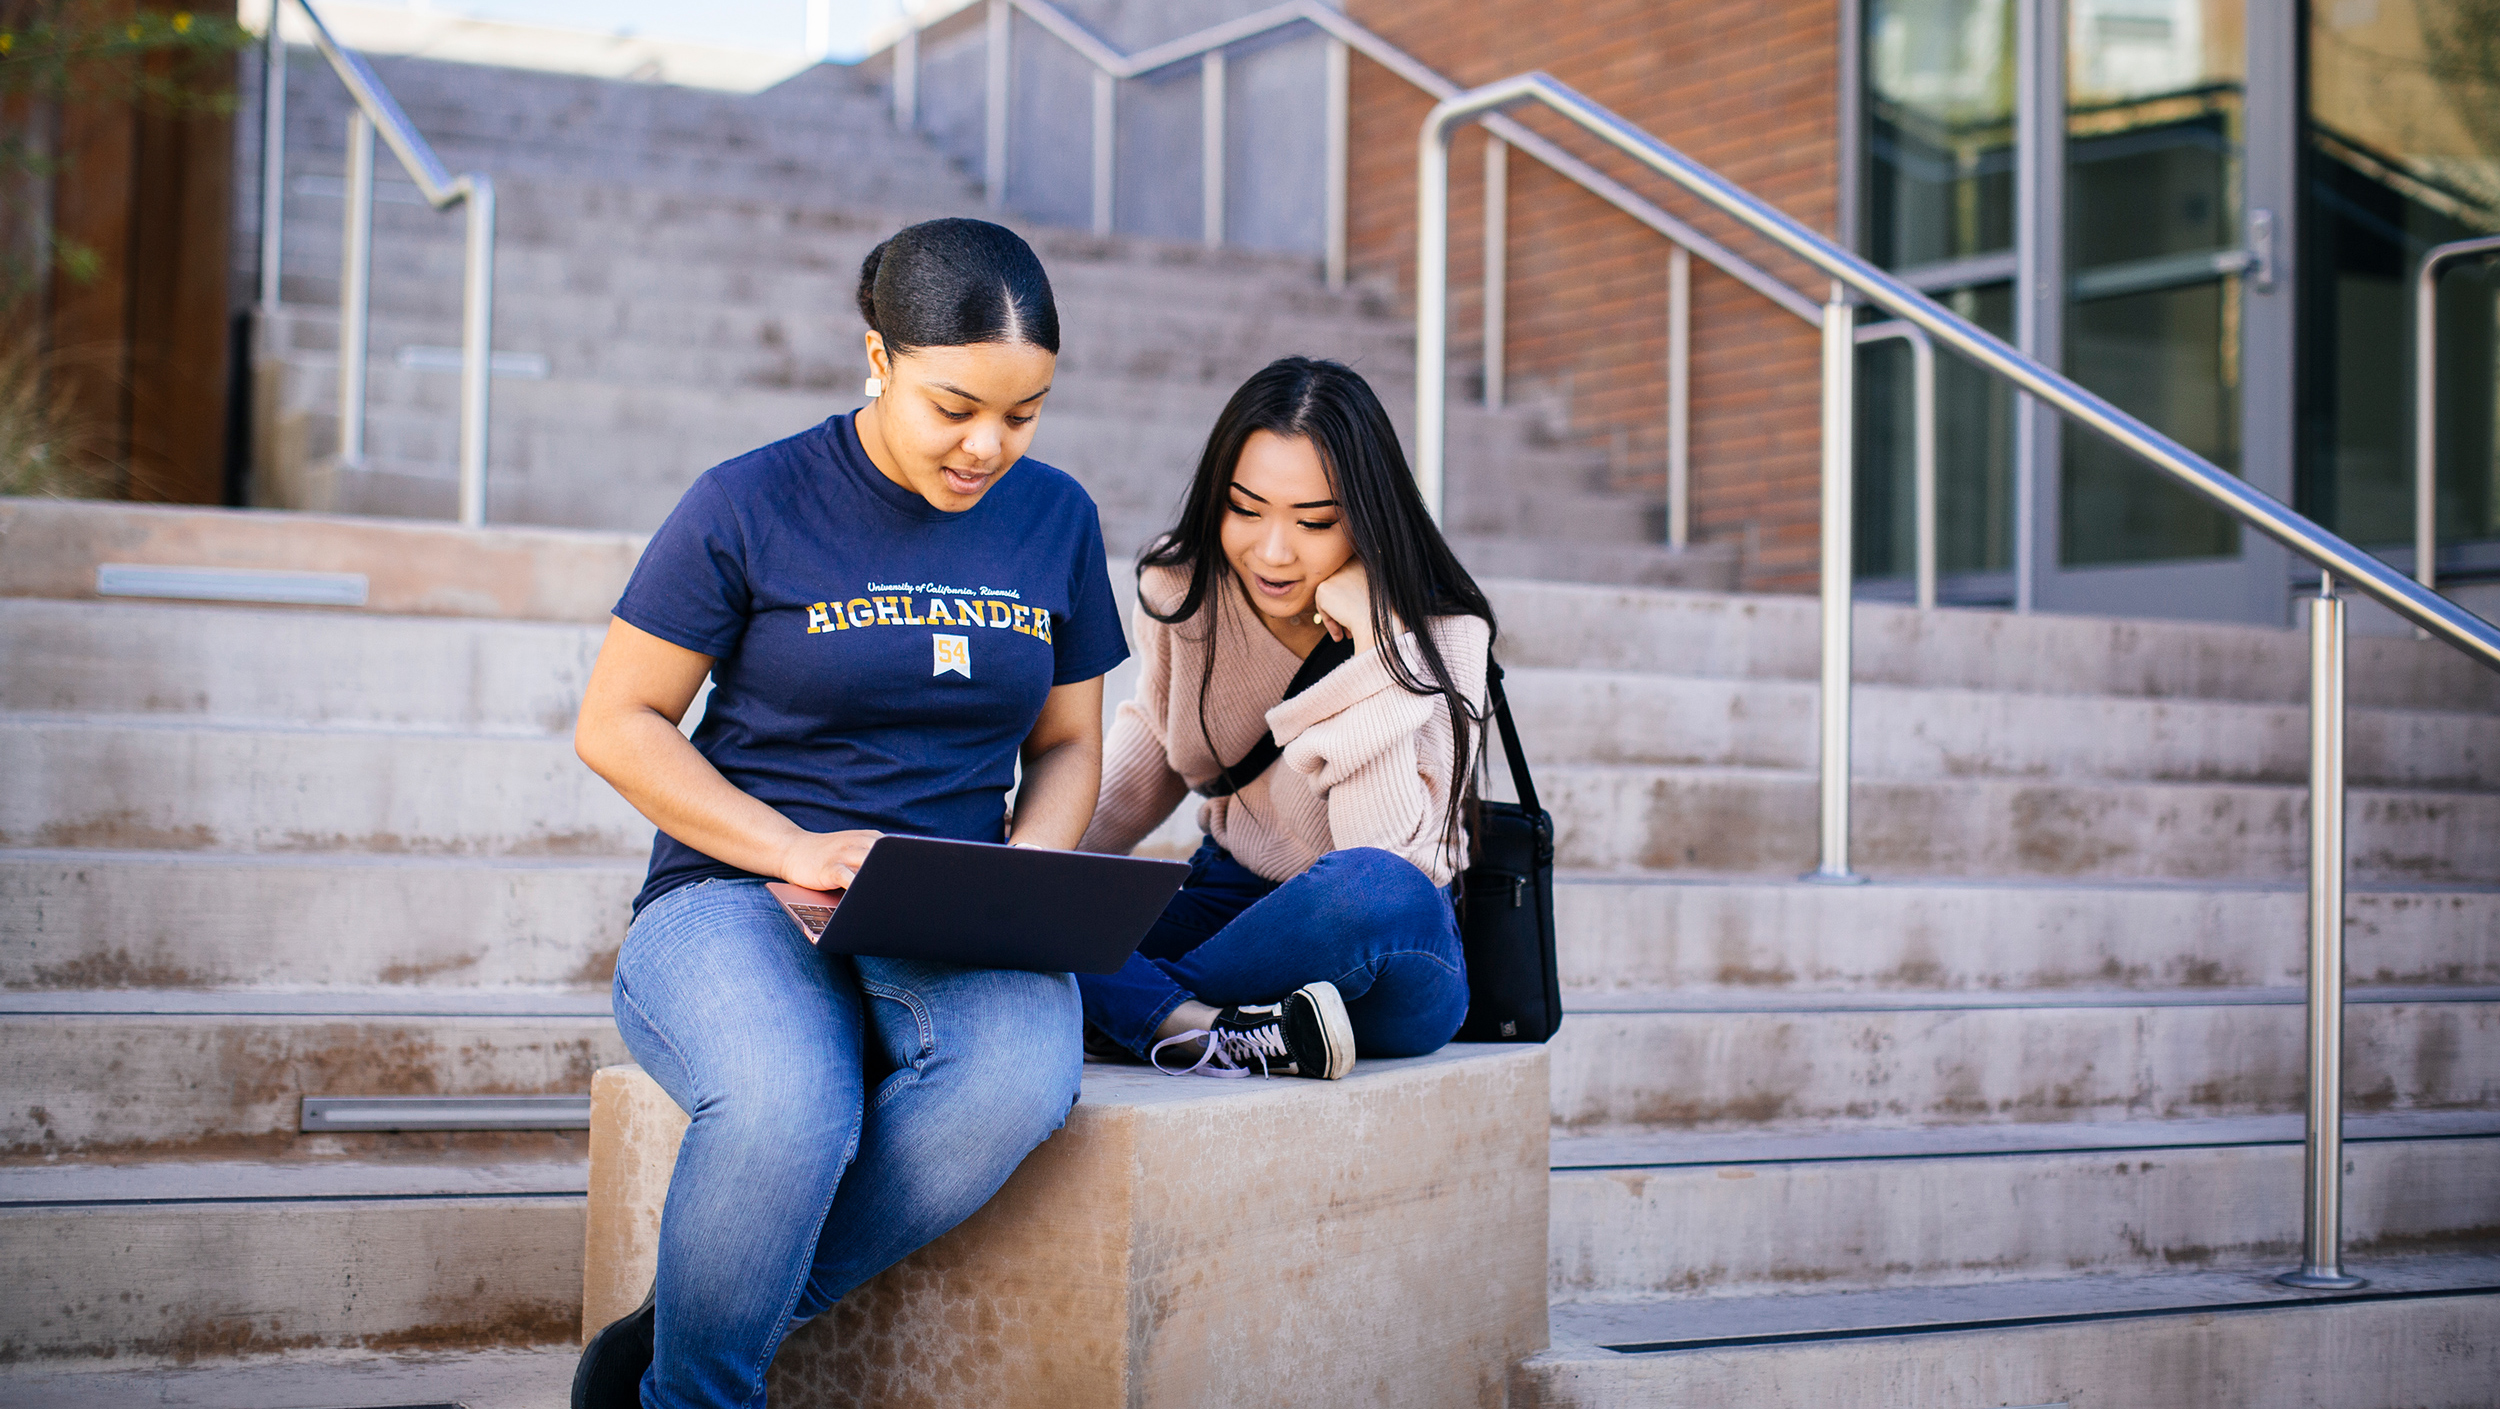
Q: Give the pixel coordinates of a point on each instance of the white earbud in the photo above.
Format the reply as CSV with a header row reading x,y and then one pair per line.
x,y
875,387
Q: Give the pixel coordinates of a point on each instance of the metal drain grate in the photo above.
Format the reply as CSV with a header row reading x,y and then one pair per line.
x,y
370,1113
309,589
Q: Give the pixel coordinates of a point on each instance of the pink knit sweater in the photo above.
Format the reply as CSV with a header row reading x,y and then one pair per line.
x,y
1366,762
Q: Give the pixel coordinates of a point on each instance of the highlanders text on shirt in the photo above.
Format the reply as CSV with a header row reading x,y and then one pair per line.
x,y
905,610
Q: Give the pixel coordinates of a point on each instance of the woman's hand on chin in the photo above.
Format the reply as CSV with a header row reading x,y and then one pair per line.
x,y
826,860
1345,599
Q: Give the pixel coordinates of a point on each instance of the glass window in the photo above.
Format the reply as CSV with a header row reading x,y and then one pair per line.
x,y
1940,130
2401,152
2155,95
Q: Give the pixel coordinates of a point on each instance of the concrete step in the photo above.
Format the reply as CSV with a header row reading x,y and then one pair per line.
x,y
158,1074
2423,1332
1724,1060
549,229
511,122
1569,625
349,670
149,783
144,783
55,548
606,243
1619,935
88,920
498,1377
1632,560
1732,821
194,1262
1623,717
1922,1208
610,324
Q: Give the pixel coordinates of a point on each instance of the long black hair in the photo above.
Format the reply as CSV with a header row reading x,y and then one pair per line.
x,y
956,282
1414,575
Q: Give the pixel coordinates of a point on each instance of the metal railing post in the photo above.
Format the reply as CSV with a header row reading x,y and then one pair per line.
x,y
1679,396
999,36
1923,464
1211,147
1922,448
1496,264
355,279
2322,1258
272,161
477,332
1339,114
2426,400
1432,313
1840,356
1106,147
907,80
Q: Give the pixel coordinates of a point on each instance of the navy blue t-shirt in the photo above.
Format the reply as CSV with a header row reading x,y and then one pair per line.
x,y
877,661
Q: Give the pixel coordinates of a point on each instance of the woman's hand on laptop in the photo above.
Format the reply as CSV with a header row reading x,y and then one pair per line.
x,y
826,860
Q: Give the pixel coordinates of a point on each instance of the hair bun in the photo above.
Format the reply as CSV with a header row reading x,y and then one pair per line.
x,y
957,282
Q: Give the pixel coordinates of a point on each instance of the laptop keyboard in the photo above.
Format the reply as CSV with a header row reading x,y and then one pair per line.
x,y
811,918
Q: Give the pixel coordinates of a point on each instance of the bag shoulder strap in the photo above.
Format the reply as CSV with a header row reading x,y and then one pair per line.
x,y
1324,657
1520,780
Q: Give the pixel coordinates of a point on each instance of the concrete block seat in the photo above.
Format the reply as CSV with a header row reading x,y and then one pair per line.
x,y
1379,1240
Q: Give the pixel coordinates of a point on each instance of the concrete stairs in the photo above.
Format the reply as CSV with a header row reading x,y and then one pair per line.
x,y
254,855
2041,1077
1927,1141
683,265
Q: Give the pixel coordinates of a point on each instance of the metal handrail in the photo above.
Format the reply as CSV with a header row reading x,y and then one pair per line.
x,y
1344,35
2322,1257
378,111
2426,399
2270,516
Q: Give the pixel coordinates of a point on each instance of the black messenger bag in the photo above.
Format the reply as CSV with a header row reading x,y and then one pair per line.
x,y
1506,908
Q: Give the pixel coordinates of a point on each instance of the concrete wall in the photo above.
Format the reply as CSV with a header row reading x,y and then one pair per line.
x,y
1275,155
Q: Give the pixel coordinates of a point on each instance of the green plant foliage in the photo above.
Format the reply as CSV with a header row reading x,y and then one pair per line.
x,y
92,51
45,448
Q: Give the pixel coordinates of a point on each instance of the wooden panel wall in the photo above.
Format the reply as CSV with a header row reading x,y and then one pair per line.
x,y
143,345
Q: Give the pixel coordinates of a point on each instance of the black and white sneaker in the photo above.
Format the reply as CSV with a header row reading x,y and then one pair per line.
x,y
1303,1034
610,1373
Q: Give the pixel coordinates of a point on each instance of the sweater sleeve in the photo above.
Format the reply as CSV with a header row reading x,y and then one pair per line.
x,y
1139,788
1378,753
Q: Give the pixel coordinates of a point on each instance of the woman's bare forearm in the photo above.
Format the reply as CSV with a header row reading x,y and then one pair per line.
x,y
644,757
1057,796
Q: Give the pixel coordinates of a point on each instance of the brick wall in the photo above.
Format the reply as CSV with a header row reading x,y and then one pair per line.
x,y
1749,87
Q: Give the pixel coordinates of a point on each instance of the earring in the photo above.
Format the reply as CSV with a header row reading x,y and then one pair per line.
x,y
875,387
1319,618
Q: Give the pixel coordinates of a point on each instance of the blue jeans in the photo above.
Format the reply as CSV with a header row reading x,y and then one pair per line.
x,y
845,1112
1363,919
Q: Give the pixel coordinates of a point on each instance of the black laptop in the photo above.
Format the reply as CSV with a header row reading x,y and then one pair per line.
x,y
988,906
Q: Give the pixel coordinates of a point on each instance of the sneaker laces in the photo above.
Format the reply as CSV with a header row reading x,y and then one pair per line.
x,y
1229,1051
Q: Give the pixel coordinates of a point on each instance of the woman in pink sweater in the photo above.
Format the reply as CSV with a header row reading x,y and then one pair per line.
x,y
1314,665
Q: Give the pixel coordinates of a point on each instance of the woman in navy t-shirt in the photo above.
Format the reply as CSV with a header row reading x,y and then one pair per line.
x,y
894,608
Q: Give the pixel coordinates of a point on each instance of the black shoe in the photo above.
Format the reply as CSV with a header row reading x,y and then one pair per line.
x,y
1304,1034
610,1373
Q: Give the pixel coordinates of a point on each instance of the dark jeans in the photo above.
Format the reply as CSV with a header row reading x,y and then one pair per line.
x,y
1363,919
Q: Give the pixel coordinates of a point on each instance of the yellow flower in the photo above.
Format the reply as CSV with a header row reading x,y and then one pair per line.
x,y
182,21
7,42
132,31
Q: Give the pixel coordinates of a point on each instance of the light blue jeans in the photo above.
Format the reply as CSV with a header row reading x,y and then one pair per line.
x,y
844,1112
